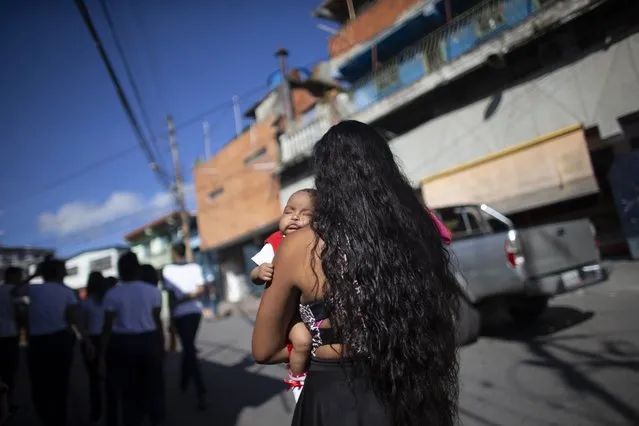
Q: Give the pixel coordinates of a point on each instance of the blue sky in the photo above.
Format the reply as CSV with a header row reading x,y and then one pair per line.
x,y
60,112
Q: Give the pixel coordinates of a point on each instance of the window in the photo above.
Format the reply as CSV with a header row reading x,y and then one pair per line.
x,y
460,221
72,271
215,193
387,78
101,264
255,155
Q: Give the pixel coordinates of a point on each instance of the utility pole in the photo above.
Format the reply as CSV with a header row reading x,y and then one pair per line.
x,y
179,189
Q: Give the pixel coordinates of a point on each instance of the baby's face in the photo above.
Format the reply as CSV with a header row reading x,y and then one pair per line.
x,y
297,213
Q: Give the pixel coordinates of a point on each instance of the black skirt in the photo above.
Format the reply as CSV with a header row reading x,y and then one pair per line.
x,y
328,399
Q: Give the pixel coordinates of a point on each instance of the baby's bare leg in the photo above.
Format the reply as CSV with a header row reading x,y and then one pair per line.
x,y
301,341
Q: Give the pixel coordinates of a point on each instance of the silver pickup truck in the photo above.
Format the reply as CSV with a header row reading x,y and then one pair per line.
x,y
521,269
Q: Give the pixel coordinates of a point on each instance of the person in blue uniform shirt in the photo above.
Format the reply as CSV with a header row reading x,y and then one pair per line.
x,y
53,313
93,316
133,344
185,284
9,338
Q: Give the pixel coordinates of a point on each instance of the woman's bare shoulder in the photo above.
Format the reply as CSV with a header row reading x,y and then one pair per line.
x,y
302,241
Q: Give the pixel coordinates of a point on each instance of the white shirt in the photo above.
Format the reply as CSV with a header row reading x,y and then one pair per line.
x,y
266,255
133,304
48,306
182,279
7,312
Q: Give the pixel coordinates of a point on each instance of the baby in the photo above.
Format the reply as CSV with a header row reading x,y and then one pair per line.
x,y
297,215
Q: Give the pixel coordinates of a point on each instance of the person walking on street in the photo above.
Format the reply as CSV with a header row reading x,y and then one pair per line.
x,y
132,344
53,312
9,331
93,314
185,285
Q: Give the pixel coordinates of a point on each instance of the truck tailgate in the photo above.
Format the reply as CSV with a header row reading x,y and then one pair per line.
x,y
558,247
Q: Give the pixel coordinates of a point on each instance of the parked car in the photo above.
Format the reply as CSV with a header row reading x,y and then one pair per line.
x,y
521,269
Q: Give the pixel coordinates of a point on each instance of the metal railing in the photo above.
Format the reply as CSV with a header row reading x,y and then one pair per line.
x,y
300,142
444,45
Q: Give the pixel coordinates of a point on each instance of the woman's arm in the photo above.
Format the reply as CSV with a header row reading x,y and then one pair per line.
x,y
278,306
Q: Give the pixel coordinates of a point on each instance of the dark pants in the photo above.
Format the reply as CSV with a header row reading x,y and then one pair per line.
x,y
49,358
135,364
9,358
96,384
187,327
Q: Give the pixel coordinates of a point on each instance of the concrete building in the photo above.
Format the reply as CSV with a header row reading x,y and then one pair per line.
x,y
520,103
102,259
237,190
152,242
22,257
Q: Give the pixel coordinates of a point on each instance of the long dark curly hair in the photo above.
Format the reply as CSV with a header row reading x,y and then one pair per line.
x,y
390,292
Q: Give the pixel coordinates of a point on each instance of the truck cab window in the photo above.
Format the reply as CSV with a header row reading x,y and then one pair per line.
x,y
497,225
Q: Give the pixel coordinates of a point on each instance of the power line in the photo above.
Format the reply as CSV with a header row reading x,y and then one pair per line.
x,y
90,168
195,119
142,142
77,237
150,53
130,77
72,176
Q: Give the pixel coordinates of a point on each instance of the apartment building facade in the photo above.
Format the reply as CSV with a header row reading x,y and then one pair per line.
x,y
524,104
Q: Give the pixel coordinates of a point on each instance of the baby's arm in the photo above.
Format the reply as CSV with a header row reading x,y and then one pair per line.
x,y
262,274
301,341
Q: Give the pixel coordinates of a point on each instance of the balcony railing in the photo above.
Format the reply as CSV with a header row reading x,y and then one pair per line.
x,y
299,143
443,46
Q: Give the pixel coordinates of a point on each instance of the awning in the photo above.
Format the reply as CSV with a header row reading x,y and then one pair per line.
x,y
410,29
546,170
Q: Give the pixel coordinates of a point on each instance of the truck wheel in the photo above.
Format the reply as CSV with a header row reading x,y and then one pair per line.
x,y
528,310
468,323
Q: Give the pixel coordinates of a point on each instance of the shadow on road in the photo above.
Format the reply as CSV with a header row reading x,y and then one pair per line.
x,y
575,358
554,320
231,390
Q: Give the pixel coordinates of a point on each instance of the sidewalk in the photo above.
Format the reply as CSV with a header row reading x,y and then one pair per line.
x,y
247,306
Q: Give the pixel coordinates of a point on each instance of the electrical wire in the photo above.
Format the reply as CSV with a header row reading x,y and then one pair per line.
x,y
130,77
197,118
90,168
142,142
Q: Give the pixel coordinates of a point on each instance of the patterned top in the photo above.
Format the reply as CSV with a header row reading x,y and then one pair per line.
x,y
313,314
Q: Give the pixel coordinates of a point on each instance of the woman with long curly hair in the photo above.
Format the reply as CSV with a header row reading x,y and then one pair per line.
x,y
372,282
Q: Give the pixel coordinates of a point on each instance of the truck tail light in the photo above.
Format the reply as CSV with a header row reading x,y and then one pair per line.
x,y
514,255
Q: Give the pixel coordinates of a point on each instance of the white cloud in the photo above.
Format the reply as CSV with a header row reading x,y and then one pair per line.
x,y
79,216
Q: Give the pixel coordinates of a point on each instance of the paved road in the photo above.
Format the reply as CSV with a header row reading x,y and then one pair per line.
x,y
578,366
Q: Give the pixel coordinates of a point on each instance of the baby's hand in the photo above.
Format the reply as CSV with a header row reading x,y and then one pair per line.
x,y
265,272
